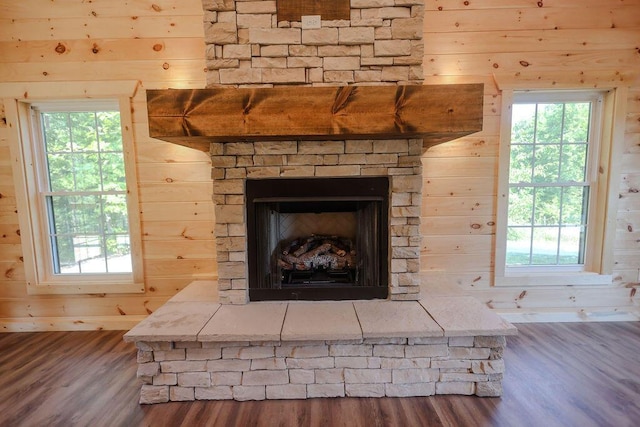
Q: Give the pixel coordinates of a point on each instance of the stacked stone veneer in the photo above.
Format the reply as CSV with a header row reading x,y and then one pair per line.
x,y
394,367
398,159
380,43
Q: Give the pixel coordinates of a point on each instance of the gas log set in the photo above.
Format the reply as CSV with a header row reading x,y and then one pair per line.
x,y
318,259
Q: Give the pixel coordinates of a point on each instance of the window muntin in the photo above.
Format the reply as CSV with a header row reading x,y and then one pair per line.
x,y
553,142
82,189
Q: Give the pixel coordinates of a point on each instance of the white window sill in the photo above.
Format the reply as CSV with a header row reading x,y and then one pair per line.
x,y
554,279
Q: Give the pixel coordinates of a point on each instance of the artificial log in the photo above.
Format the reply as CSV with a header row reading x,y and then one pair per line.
x,y
317,252
197,117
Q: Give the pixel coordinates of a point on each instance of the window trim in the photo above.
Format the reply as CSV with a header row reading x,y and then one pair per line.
x,y
33,241
599,266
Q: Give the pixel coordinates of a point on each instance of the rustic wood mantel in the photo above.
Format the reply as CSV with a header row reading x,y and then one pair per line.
x,y
197,117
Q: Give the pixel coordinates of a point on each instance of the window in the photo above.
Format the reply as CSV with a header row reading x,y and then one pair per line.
x,y
553,188
84,225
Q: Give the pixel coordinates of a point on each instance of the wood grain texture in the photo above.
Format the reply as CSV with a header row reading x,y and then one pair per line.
x,y
557,375
195,118
293,10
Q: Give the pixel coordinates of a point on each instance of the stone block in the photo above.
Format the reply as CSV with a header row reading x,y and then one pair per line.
x,y
268,62
366,4
303,50
220,33
338,77
181,394
310,363
240,75
304,62
341,63
408,390
306,351
464,388
462,376
148,369
490,341
451,364
388,350
344,170
339,50
461,341
273,363
178,366
154,394
469,353
268,6
489,389
274,36
227,365
321,147
244,393
410,376
214,393
392,48
237,51
329,376
358,146
364,390
367,76
357,362
165,379
320,36
254,20
143,356
367,376
325,390
288,75
383,33
351,350
356,35
407,28
275,51
488,366
216,64
226,378
265,377
395,74
301,376
402,363
386,13
175,354
194,379
248,352
287,391
433,350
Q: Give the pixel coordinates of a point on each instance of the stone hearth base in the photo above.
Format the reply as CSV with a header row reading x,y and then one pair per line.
x,y
192,349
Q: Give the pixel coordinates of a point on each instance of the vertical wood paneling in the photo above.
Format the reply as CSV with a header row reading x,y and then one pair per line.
x,y
160,44
524,44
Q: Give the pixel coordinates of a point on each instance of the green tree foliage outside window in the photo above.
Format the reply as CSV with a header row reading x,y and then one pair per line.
x,y
548,185
86,197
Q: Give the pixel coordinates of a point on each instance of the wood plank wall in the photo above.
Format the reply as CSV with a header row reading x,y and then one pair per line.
x,y
525,44
159,43
549,43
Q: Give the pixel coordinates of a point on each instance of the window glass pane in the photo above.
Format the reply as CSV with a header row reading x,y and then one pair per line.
x,y
87,171
523,123
574,205
549,123
574,162
547,163
56,126
520,206
518,245
576,122
520,166
118,254
547,206
83,131
571,245
115,214
109,132
113,177
544,248
61,172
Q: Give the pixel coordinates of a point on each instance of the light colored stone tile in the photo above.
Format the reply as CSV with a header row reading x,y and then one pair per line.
x,y
226,378
411,376
174,321
400,363
194,379
165,379
265,377
325,390
321,321
465,388
301,376
214,393
489,389
464,316
154,394
358,362
381,319
253,392
427,350
310,363
407,390
367,376
251,322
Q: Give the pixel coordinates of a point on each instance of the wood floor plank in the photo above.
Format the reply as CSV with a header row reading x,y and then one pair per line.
x,y
562,374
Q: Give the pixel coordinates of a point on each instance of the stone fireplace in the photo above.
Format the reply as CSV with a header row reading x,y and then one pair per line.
x,y
316,128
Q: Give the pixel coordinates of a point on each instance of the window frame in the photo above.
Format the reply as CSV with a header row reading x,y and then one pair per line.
x,y
598,264
33,223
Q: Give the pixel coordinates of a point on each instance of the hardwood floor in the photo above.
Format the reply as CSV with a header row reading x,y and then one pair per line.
x,y
563,374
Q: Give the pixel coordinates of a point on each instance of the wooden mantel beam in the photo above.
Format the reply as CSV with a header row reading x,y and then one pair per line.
x,y
197,117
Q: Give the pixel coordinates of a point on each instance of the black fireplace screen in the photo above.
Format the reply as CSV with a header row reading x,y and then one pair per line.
x,y
318,238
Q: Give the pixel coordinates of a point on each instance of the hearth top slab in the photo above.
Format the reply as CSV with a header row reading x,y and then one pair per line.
x,y
321,321
383,319
464,316
252,322
174,321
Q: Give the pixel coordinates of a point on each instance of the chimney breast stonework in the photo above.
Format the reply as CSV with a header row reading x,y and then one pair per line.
x,y
381,44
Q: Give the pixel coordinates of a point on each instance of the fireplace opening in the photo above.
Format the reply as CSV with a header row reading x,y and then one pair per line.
x,y
317,238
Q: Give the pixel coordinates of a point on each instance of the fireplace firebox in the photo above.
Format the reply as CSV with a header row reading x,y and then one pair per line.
x,y
318,238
